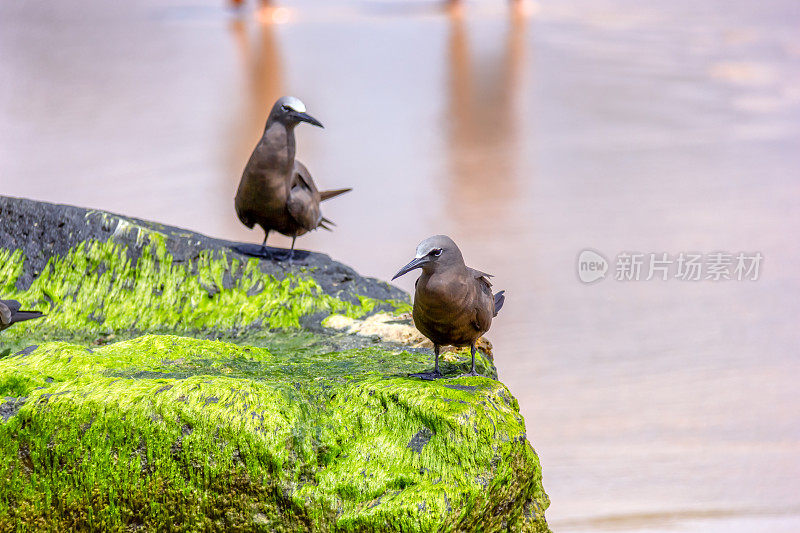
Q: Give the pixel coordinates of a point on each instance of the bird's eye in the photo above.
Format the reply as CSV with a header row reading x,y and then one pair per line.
x,y
285,107
437,252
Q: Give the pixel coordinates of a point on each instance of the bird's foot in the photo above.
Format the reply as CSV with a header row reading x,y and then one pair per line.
x,y
287,257
265,253
429,376
280,255
253,250
276,255
471,373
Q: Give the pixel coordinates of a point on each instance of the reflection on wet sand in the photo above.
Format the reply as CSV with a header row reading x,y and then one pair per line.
x,y
238,3
262,66
261,63
483,131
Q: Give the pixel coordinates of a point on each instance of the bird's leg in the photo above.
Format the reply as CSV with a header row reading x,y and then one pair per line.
x,y
264,243
472,372
290,254
472,352
431,375
291,250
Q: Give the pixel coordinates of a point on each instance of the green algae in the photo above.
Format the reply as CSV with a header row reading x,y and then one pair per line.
x,y
97,290
173,433
271,427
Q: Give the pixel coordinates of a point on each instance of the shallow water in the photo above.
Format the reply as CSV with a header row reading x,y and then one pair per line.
x,y
526,134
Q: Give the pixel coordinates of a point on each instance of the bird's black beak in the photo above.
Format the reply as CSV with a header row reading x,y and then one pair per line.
x,y
305,117
416,263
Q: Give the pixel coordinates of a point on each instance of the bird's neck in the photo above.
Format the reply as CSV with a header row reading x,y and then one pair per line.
x,y
444,277
442,287
280,146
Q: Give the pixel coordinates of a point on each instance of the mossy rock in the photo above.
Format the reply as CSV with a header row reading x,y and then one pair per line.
x,y
123,409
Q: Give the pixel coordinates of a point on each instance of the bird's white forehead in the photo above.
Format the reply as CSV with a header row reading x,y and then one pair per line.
x,y
295,104
424,248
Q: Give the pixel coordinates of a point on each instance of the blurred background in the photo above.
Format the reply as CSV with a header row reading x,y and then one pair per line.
x,y
526,131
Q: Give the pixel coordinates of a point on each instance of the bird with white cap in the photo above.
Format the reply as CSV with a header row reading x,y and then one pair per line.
x,y
277,191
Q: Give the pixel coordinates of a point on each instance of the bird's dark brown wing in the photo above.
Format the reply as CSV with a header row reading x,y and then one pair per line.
x,y
303,202
484,302
302,174
483,315
483,277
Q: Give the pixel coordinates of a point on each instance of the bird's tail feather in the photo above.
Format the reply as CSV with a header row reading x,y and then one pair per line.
x,y
327,195
499,300
323,223
21,316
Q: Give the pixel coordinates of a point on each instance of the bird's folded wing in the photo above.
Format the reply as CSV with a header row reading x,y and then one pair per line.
x,y
302,176
482,276
483,303
303,208
303,203
483,316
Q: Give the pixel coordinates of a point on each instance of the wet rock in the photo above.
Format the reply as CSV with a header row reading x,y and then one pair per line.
x,y
177,383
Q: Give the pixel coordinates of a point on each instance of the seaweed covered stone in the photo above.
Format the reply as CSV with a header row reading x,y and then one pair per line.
x,y
178,385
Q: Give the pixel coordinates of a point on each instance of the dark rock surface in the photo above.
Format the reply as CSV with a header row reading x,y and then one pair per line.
x,y
43,230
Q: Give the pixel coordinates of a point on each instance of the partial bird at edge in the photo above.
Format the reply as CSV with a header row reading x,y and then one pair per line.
x,y
10,313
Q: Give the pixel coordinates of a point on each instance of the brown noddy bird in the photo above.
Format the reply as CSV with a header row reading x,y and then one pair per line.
x,y
453,304
10,313
276,191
